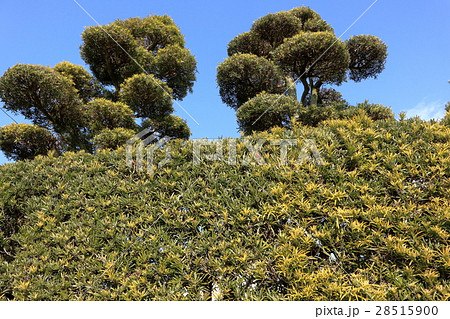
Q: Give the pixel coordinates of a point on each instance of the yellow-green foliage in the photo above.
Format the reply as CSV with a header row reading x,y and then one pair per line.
x,y
112,138
371,223
103,114
25,141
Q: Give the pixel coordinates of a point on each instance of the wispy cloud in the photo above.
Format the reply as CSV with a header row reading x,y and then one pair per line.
x,y
427,110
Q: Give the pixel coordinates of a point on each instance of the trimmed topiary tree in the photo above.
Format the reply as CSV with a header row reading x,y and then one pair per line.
x,y
302,48
67,100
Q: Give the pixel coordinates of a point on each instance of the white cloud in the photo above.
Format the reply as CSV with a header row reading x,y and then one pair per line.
x,y
427,110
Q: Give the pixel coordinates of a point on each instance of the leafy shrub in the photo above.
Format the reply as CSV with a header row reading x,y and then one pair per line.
x,y
376,112
312,115
370,223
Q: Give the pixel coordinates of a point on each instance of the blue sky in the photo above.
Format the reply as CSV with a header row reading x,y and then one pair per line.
x,y
416,77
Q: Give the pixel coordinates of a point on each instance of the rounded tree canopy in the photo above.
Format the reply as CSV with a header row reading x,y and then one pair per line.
x,y
314,55
25,141
87,87
154,32
276,27
367,57
108,50
147,96
311,20
242,76
176,66
266,111
304,14
170,125
112,138
249,42
42,95
102,113
317,25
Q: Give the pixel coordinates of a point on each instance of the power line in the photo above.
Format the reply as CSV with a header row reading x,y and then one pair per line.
x,y
133,59
307,70
9,115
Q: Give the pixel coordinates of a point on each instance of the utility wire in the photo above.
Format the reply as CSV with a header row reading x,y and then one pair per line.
x,y
1,108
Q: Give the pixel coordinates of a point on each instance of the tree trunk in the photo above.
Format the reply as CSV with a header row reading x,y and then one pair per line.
x,y
314,96
305,91
291,87
315,88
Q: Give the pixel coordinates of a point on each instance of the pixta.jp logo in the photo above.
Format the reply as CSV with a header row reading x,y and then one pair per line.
x,y
140,143
146,143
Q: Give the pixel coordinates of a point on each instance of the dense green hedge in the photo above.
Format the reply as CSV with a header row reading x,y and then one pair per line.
x,y
371,223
